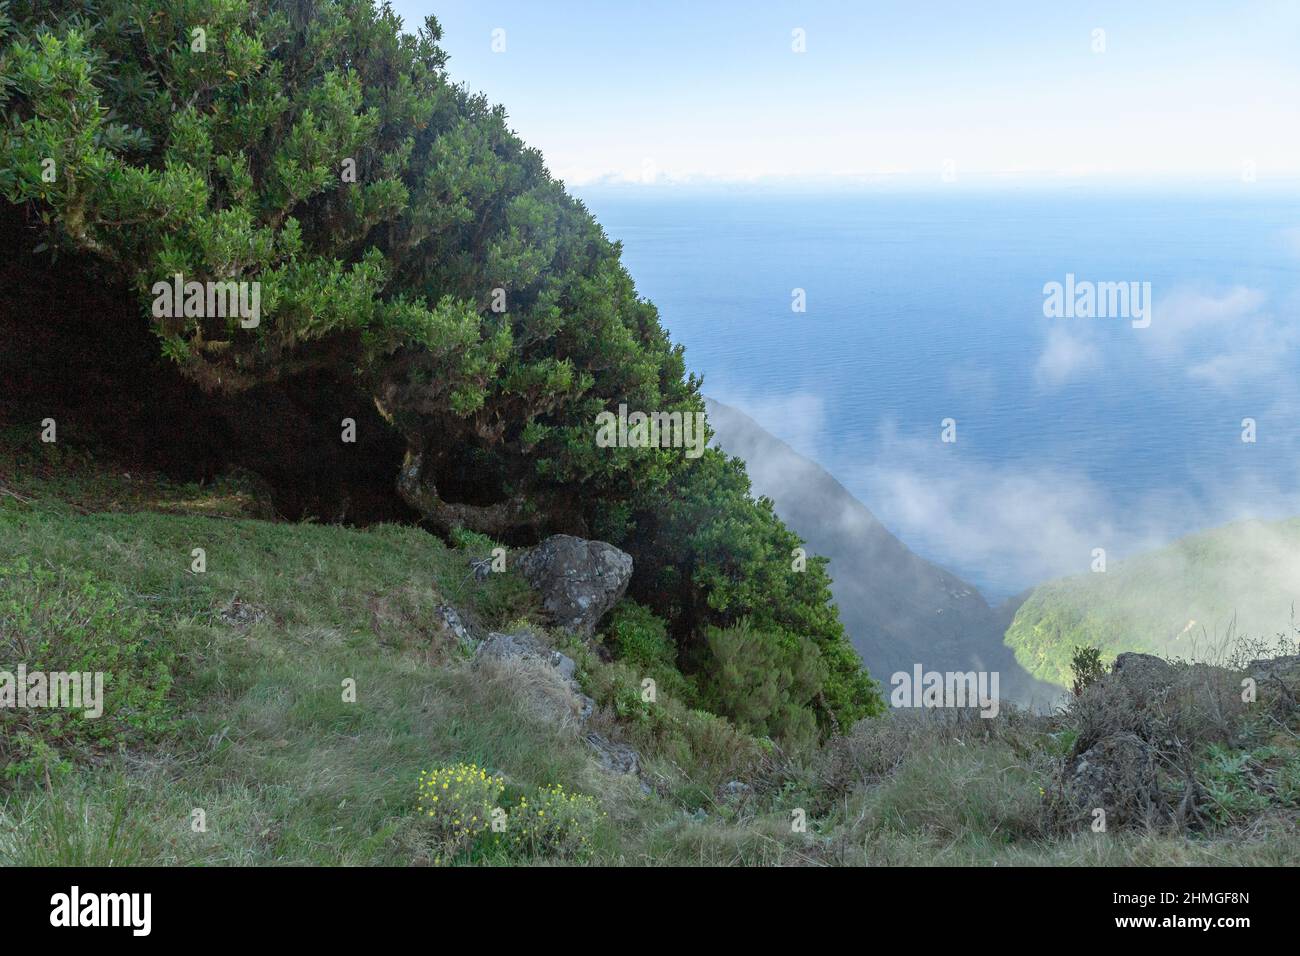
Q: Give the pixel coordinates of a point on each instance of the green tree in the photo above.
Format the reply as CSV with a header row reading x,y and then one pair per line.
x,y
403,237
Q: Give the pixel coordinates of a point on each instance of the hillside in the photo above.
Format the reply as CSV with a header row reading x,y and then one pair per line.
x,y
317,257
1189,600
227,702
898,608
315,518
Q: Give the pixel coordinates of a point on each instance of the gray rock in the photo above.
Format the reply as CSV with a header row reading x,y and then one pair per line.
x,y
614,757
1143,670
736,788
1265,668
1117,774
504,646
1279,681
240,613
564,664
528,646
578,580
450,621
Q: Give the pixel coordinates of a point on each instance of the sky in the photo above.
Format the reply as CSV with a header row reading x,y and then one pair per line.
x,y
666,93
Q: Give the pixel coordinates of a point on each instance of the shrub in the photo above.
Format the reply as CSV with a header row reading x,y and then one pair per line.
x,y
766,682
1087,668
716,558
640,640
1174,710
458,802
556,823
1241,784
1232,792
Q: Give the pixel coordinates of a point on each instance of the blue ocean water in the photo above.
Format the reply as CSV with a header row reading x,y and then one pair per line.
x,y
1072,434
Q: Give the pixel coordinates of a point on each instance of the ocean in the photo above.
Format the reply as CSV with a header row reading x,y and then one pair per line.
x,y
1073,435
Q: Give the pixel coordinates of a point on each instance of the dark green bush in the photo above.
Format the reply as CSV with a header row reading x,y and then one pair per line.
x,y
640,639
767,683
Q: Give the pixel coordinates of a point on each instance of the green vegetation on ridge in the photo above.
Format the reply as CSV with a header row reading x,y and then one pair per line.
x,y
1185,601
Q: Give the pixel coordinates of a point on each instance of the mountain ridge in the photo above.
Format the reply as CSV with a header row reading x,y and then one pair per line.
x,y
1195,598
899,608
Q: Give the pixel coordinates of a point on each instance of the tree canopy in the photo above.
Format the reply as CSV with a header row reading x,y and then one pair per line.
x,y
402,236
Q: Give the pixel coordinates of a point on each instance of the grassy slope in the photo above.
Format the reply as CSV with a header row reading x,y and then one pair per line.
x,y
1187,600
288,773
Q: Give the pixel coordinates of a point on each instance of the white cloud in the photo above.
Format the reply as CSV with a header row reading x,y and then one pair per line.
x,y
1224,339
1186,313
1013,524
1064,357
798,419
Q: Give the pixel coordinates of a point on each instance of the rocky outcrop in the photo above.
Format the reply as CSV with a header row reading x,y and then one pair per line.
x,y
1280,668
614,757
526,647
1142,731
1118,776
451,625
579,580
1142,670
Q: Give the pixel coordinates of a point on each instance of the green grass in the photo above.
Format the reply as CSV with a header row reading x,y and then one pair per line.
x,y
250,726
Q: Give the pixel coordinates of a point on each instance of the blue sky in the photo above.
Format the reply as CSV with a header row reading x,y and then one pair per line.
x,y
666,92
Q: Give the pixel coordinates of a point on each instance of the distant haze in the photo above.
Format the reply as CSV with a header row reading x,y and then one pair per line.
x,y
898,609
668,92
1072,434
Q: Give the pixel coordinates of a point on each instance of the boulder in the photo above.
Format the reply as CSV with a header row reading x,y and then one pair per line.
x,y
614,757
1116,774
578,580
1143,670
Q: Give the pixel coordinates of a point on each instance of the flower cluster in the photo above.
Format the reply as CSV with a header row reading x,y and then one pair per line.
x,y
555,823
461,803
458,802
